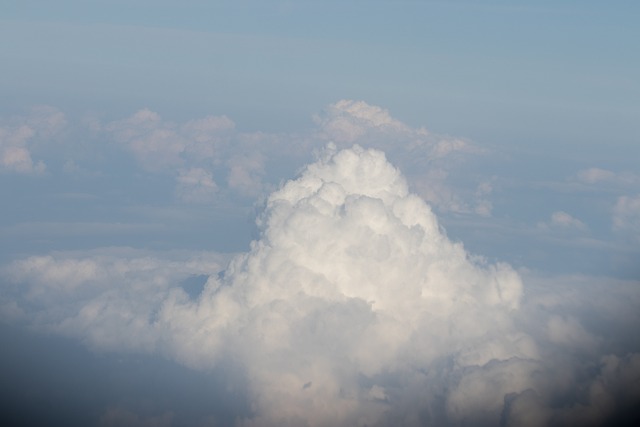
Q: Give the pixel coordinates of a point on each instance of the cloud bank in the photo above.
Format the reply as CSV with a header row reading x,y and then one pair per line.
x,y
353,307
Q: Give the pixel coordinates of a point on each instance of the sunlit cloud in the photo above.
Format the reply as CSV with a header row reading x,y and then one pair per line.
x,y
352,307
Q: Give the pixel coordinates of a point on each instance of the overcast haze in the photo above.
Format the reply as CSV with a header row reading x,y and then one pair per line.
x,y
319,213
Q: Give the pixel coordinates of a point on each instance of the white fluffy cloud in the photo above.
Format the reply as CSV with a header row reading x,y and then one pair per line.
x,y
351,283
207,156
428,159
353,298
347,121
352,308
352,293
107,297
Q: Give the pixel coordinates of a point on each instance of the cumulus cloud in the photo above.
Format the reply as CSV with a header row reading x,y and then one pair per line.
x,y
196,185
353,307
189,151
561,220
626,215
159,145
246,173
18,136
107,297
346,121
353,297
250,164
352,290
428,159
207,156
352,282
594,176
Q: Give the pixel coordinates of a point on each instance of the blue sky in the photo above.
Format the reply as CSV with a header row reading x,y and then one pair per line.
x,y
145,145
492,69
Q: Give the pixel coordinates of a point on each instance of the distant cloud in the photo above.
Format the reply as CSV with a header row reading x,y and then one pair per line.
x,y
247,173
100,294
17,138
428,159
188,151
596,176
626,215
249,164
561,220
483,205
346,121
593,175
159,145
196,185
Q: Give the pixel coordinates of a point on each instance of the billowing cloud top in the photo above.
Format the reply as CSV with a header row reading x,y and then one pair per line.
x,y
340,312
351,283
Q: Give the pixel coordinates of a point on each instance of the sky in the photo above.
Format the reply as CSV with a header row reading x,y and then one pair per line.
x,y
262,213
